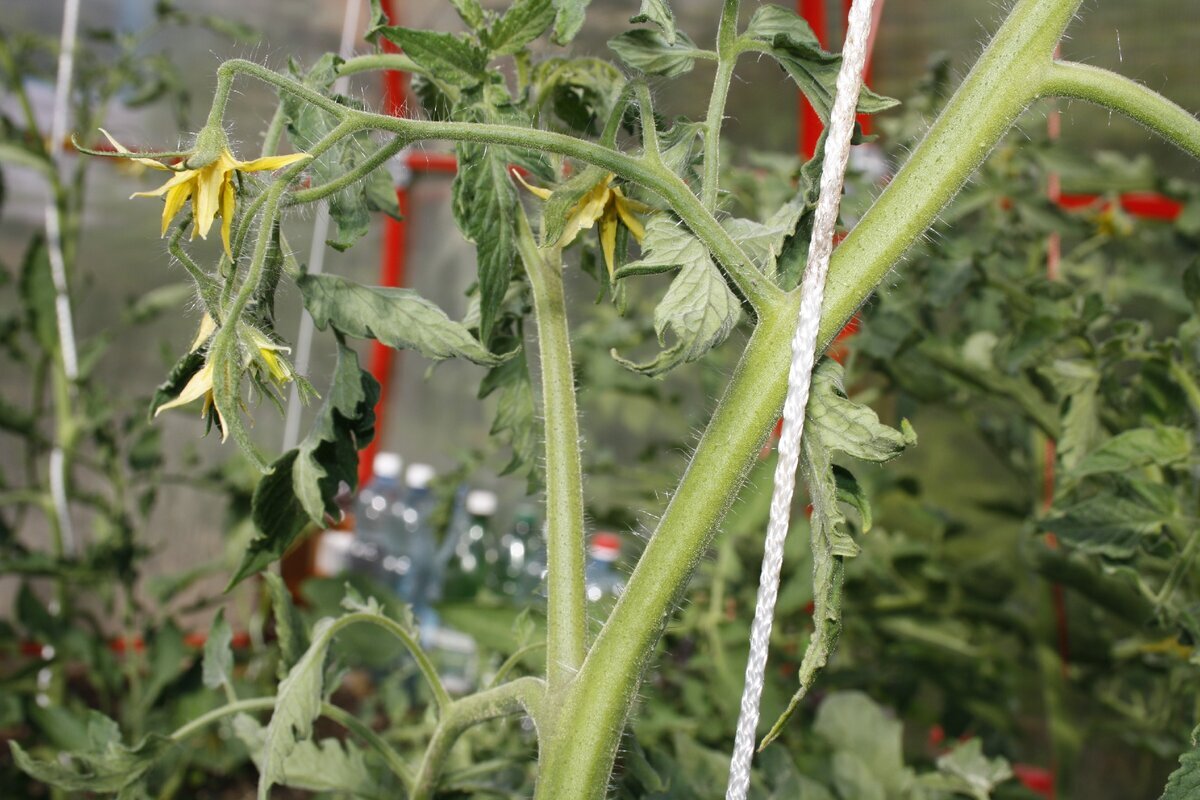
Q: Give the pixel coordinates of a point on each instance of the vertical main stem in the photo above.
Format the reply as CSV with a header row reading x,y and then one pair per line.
x,y
566,616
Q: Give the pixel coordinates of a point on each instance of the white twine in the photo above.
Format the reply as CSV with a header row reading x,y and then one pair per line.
x,y
58,269
837,151
316,249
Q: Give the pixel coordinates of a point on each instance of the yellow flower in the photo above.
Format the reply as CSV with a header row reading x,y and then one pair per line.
x,y
604,203
201,384
209,186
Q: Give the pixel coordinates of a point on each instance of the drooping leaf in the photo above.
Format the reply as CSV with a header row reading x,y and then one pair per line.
x,y
218,656
180,374
328,765
580,92
398,318
106,765
569,19
524,21
1184,783
659,13
302,483
834,424
790,40
650,52
698,309
1135,449
515,420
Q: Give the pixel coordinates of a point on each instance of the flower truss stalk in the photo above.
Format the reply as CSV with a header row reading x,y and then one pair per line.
x,y
727,54
566,613
522,695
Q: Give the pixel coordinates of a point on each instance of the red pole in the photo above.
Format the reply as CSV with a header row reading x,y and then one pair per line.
x,y
392,260
810,124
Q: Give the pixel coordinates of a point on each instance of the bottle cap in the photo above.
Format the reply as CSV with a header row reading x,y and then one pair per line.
x,y
419,475
386,465
481,503
605,546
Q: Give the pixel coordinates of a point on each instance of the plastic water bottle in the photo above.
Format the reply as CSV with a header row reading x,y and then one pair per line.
x,y
522,559
474,546
419,582
377,518
603,583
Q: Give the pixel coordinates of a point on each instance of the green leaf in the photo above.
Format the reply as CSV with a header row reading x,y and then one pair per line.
x,y
37,295
789,39
1136,449
764,241
580,91
297,705
327,765
515,420
569,19
1078,383
290,630
1114,522
698,308
105,766
869,742
524,21
971,772
1184,783
470,11
649,52
218,656
398,318
835,424
162,299
451,57
659,13
302,483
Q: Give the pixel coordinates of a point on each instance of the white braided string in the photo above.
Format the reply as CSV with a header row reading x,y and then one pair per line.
x,y
58,267
804,343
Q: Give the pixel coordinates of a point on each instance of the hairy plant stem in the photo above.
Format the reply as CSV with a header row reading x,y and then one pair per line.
x,y
522,695
727,54
566,616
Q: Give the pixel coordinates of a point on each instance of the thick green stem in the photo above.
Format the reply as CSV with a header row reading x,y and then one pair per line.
x,y
566,617
523,694
379,61
727,53
1142,104
577,760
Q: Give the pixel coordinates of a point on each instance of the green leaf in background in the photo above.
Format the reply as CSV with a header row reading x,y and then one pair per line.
x,y
302,483
580,91
398,318
218,656
649,52
966,770
698,308
788,38
470,11
1136,449
569,19
106,765
524,21
37,295
868,747
659,13
1116,521
1078,383
764,241
515,420
328,765
1184,783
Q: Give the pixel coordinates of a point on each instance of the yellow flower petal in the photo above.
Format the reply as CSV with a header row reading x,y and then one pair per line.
x,y
270,163
536,191
176,197
608,241
208,327
149,162
274,365
200,385
631,222
208,192
228,198
178,179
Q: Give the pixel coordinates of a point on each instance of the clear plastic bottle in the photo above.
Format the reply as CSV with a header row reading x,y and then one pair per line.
x,y
419,583
377,516
523,556
474,546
